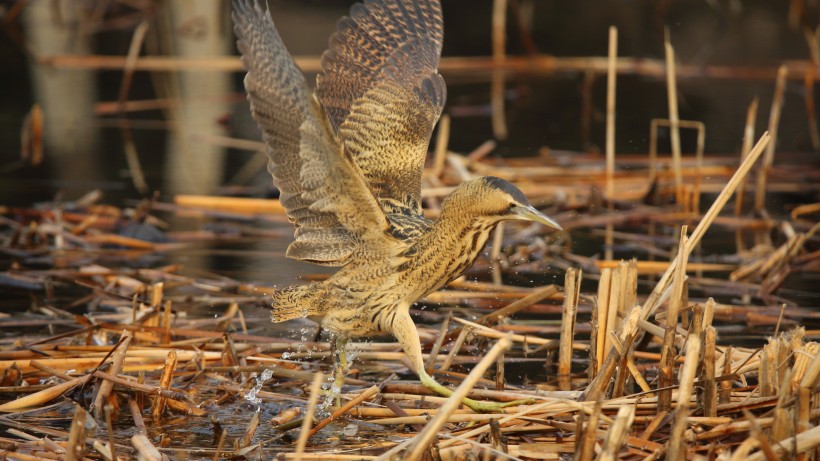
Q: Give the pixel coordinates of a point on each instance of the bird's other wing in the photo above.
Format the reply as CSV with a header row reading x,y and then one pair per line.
x,y
334,185
381,89
281,106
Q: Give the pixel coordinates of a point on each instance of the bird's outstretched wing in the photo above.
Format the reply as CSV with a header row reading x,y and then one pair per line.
x,y
322,190
381,89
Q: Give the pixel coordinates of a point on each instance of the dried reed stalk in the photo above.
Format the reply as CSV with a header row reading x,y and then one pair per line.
x,y
535,296
440,152
75,449
617,433
668,350
145,448
677,447
710,395
611,82
748,138
307,421
774,124
158,408
42,397
572,290
674,120
368,393
116,366
499,39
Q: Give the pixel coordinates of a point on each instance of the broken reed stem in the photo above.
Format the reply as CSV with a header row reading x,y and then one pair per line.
x,y
699,148
166,321
442,335
495,254
674,121
158,408
45,368
219,445
43,396
748,138
572,290
588,436
613,307
370,392
800,443
250,431
710,397
145,448
499,38
136,415
774,123
535,296
419,445
677,447
307,421
668,350
603,315
109,426
116,366
617,433
594,358
611,80
286,416
131,155
75,448
462,336
652,302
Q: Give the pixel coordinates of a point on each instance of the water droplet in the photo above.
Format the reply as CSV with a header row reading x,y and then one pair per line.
x,y
351,430
250,396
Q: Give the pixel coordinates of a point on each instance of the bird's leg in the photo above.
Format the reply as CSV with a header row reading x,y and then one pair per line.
x,y
405,332
340,366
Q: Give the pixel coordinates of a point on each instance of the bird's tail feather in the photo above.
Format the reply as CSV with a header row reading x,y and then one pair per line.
x,y
297,301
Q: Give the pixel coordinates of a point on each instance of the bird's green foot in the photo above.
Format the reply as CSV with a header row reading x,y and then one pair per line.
x,y
475,405
495,407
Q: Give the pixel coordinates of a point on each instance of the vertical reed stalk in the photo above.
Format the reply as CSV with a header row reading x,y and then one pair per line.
x,y
572,290
674,121
611,82
774,125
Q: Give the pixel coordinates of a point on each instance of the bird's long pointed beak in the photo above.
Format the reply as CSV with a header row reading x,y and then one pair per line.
x,y
531,214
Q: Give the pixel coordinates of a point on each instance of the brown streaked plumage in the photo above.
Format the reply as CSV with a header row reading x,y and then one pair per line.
x,y
348,162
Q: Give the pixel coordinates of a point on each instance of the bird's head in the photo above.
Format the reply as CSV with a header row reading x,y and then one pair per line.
x,y
493,198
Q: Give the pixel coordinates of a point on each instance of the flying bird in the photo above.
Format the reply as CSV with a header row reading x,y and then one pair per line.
x,y
348,161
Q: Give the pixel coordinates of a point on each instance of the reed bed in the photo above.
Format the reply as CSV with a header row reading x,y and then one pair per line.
x,y
110,361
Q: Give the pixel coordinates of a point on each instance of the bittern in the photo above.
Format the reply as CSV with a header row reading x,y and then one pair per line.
x,y
348,162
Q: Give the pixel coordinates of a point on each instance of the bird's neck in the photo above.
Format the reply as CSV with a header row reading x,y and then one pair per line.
x,y
450,246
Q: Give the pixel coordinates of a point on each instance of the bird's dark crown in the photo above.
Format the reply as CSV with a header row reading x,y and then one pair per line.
x,y
507,188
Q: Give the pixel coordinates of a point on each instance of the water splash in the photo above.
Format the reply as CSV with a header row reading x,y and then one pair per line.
x,y
250,396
